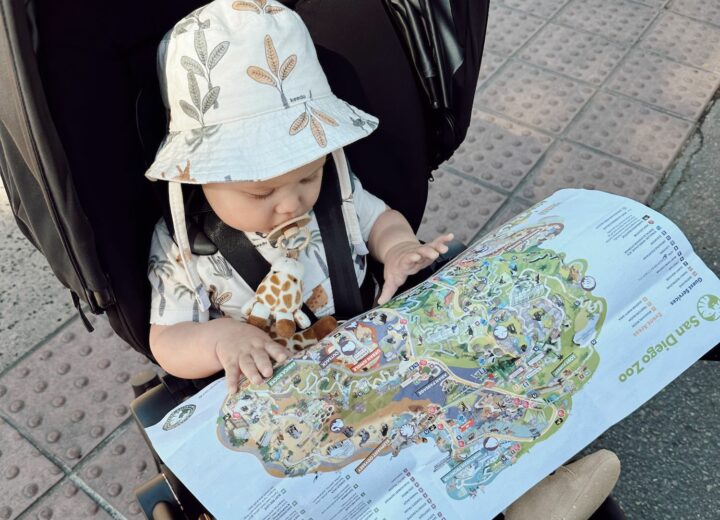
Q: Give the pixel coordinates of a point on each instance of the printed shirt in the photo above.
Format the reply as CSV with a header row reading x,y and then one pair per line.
x,y
173,301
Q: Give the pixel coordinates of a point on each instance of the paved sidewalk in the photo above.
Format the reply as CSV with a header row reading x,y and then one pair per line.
x,y
598,94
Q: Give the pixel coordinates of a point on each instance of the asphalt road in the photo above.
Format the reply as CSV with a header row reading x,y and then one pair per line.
x,y
669,447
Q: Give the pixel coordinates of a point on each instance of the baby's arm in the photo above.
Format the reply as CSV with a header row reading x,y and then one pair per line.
x,y
194,350
393,243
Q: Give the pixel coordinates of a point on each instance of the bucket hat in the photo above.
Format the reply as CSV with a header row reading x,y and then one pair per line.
x,y
248,101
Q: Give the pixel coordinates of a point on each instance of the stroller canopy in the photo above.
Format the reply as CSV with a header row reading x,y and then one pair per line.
x,y
82,117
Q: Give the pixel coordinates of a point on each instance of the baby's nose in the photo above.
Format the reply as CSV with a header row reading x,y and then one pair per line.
x,y
288,205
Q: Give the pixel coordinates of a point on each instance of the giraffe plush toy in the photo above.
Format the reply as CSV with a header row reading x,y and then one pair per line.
x,y
278,298
308,337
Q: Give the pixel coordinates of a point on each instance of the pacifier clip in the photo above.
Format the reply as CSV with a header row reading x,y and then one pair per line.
x,y
279,296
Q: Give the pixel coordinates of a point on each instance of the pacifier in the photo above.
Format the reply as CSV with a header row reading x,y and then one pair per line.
x,y
292,236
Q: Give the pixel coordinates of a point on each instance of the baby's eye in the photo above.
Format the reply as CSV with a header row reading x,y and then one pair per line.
x,y
262,195
312,178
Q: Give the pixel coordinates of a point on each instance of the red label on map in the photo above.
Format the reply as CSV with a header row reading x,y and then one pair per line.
x,y
467,425
367,360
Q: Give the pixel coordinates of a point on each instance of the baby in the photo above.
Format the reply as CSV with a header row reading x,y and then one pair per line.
x,y
253,121
192,350
257,138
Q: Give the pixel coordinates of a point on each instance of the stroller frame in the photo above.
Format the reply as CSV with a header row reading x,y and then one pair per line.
x,y
52,144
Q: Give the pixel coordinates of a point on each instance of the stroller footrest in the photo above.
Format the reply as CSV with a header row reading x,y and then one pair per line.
x,y
157,500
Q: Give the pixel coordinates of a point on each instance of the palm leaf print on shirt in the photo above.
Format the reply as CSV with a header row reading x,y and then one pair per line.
x,y
161,269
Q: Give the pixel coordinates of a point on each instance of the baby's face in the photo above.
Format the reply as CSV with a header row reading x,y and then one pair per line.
x,y
260,206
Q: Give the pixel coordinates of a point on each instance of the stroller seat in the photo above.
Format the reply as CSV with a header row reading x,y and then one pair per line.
x,y
83,118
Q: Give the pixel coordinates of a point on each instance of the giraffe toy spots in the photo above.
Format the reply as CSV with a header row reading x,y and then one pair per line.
x,y
308,337
278,299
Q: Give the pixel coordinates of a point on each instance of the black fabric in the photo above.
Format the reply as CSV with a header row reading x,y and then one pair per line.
x,y
444,41
94,65
237,249
346,294
81,118
349,299
366,65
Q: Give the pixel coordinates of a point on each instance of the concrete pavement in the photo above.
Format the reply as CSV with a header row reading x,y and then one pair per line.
x,y
574,93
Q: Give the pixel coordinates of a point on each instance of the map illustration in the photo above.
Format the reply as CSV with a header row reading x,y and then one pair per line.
x,y
481,361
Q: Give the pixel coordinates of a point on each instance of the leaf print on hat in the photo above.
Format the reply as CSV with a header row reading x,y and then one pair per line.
x,y
271,55
257,6
318,132
193,18
300,122
217,53
201,67
323,117
287,66
315,120
191,65
278,73
184,173
359,121
197,135
201,46
261,75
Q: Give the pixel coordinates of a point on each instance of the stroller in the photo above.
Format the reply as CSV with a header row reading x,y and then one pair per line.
x,y
54,144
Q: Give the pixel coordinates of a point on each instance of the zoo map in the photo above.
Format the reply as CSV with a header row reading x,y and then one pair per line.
x,y
482,360
477,369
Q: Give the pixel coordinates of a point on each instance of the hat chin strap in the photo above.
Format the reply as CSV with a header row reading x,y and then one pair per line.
x,y
348,206
177,210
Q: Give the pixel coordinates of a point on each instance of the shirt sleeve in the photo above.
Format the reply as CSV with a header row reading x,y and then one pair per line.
x,y
173,301
367,206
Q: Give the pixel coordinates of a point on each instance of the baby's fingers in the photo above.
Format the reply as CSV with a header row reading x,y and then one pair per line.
x,y
439,243
249,368
388,290
411,259
263,363
232,377
277,352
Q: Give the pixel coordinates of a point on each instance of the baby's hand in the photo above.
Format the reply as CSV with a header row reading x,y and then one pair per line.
x,y
408,258
248,352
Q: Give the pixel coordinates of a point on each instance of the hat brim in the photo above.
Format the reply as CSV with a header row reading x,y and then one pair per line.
x,y
263,146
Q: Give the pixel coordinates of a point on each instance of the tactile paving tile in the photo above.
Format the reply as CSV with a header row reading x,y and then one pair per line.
x,y
508,210
653,3
490,63
568,165
72,392
704,10
617,20
32,302
542,8
677,88
67,501
508,29
24,472
118,468
533,96
457,205
498,151
630,130
685,40
576,54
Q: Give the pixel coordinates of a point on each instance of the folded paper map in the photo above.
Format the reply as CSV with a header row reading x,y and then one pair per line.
x,y
457,396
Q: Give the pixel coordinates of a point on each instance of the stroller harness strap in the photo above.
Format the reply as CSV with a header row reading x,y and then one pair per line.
x,y
349,299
